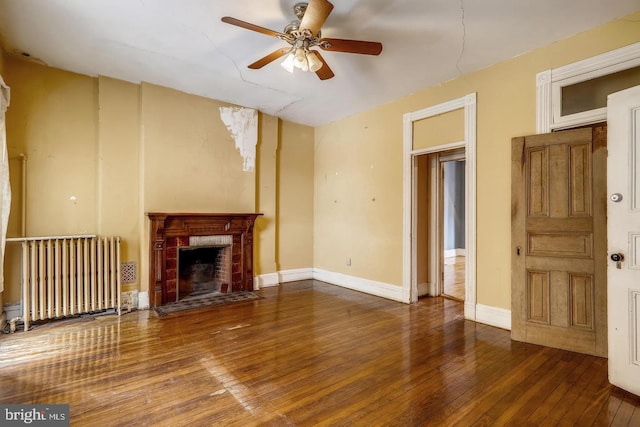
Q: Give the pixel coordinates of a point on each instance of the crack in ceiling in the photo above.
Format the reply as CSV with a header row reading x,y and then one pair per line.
x,y
161,43
464,37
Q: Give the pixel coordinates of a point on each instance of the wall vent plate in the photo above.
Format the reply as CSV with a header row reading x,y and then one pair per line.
x,y
128,272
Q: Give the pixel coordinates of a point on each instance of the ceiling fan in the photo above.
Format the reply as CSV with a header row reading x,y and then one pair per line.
x,y
303,34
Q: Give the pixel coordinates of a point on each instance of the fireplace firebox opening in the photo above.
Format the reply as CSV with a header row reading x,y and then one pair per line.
x,y
203,270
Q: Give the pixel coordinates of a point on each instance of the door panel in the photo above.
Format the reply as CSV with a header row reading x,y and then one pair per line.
x,y
623,115
559,240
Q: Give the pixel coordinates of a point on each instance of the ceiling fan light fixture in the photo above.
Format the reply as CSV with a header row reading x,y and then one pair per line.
x,y
300,58
303,34
314,62
288,62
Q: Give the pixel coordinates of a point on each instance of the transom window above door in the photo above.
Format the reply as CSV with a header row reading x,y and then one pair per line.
x,y
576,94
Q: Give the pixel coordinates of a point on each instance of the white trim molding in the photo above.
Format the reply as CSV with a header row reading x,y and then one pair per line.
x,y
409,280
296,274
355,283
143,300
544,113
549,84
265,280
426,288
448,253
360,284
493,316
13,310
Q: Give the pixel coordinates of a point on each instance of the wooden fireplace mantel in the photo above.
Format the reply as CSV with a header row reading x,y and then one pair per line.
x,y
170,231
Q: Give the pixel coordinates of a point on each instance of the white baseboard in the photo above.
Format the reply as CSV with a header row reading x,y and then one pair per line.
x,y
493,316
297,274
469,311
372,287
265,280
448,253
143,300
13,310
424,289
428,288
284,276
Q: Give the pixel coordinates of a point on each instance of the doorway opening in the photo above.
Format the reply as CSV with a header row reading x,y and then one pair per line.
x,y
416,168
441,223
451,220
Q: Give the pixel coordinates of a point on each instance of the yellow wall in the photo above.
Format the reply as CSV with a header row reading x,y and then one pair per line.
x,y
190,161
295,196
358,204
359,159
118,161
266,194
439,130
124,149
52,119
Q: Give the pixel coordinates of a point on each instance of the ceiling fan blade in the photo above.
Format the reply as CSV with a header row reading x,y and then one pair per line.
x,y
317,12
269,58
351,46
248,26
324,72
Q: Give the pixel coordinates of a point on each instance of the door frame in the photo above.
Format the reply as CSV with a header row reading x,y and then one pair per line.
x,y
437,225
409,224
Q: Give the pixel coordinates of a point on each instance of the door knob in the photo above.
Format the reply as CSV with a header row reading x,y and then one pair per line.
x,y
616,197
617,257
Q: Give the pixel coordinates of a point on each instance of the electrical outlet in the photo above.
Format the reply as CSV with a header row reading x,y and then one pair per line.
x,y
349,262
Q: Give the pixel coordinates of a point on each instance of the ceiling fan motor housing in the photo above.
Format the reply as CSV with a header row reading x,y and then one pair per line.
x,y
292,26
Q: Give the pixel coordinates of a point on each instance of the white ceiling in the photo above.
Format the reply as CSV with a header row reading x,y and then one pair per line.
x,y
184,45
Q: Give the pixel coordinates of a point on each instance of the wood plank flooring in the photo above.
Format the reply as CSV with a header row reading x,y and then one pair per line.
x,y
308,353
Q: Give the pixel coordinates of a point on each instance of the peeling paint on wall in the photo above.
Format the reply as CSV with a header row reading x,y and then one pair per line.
x,y
242,123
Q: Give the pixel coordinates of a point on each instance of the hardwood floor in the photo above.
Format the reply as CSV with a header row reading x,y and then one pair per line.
x,y
308,353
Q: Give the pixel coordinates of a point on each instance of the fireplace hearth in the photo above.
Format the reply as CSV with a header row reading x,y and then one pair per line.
x,y
201,240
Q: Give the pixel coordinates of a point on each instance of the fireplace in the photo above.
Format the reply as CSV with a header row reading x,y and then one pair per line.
x,y
203,270
199,253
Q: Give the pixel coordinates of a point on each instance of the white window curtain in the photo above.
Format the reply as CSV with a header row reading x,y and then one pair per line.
x,y
5,188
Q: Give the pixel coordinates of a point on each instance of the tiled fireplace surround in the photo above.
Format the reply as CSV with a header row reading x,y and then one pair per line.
x,y
170,231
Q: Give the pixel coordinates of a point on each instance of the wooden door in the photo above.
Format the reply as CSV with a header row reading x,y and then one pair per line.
x,y
623,209
558,234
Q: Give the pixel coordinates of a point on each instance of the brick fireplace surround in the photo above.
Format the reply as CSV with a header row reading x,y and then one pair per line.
x,y
170,231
